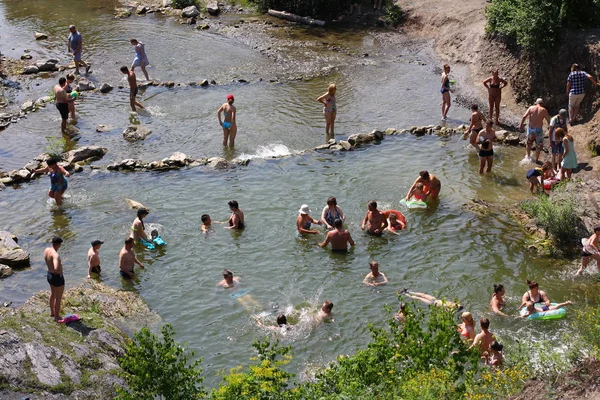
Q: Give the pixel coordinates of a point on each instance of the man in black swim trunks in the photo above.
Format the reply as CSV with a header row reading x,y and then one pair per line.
x,y
55,277
133,88
62,102
94,258
339,238
127,259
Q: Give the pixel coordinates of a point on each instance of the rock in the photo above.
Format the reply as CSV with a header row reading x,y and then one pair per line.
x,y
103,128
204,83
84,84
336,147
141,9
218,163
177,159
122,12
169,84
31,69
359,138
136,132
501,135
105,88
190,12
513,139
203,27
26,57
11,253
5,271
85,153
40,36
420,131
213,8
166,3
136,205
48,65
390,131
23,174
127,164
2,186
27,106
323,146
191,21
378,134
345,145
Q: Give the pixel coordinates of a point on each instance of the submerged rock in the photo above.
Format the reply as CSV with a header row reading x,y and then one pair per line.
x,y
48,65
122,12
84,84
85,153
11,253
27,106
105,88
136,132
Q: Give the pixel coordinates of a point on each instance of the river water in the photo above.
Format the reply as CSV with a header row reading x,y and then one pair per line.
x,y
446,250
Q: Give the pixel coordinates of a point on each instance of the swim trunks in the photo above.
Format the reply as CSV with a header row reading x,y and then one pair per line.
x,y
536,134
339,251
486,153
557,148
585,254
63,109
133,92
374,234
124,275
97,269
56,280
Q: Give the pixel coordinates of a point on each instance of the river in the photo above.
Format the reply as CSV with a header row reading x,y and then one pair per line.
x,y
446,251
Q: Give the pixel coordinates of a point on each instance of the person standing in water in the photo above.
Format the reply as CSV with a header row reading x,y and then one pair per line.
x,y
93,257
133,88
494,84
141,59
376,220
535,133
331,212
484,339
431,184
485,140
304,221
228,124
375,277
329,110
445,90
590,249
62,100
69,90
75,46
236,220
339,238
127,260
497,302
55,276
58,182
476,125
138,230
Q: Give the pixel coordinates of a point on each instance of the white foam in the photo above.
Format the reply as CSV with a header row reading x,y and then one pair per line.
x,y
268,151
155,110
526,160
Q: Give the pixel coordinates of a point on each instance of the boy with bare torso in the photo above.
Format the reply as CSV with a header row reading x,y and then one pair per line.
x,y
55,277
133,88
94,258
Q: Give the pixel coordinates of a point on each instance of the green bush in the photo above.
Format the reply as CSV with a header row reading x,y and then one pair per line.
x,y
587,323
155,368
56,147
394,14
183,3
535,25
556,217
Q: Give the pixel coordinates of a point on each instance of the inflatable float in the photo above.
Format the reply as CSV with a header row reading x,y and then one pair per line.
x,y
413,203
239,293
545,315
399,216
156,241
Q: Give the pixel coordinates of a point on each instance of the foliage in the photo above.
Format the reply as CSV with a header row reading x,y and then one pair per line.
x,y
588,325
183,3
155,368
556,217
394,15
56,146
535,25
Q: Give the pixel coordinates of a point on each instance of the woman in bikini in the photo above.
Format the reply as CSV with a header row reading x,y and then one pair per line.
x,y
329,110
536,296
485,140
305,221
476,125
236,220
467,328
494,85
229,126
497,302
445,90
331,212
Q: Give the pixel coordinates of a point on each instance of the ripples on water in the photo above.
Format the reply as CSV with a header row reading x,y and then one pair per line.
x,y
445,251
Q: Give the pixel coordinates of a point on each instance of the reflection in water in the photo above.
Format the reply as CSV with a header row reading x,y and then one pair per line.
x,y
61,221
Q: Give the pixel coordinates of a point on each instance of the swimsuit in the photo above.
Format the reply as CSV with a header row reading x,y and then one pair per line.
x,y
495,85
485,152
330,217
56,280
536,134
534,172
446,86
330,106
97,269
124,275
339,251
374,234
63,109
540,300
240,223
58,182
133,92
227,125
307,225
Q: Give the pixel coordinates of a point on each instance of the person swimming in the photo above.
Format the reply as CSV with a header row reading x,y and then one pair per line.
x,y
304,221
236,220
497,302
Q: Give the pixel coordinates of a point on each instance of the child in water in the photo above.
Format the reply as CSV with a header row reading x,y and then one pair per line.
x,y
395,224
495,357
418,192
532,309
206,223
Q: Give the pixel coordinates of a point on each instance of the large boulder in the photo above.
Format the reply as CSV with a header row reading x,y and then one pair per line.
x,y
40,36
360,138
178,159
11,253
48,65
105,88
134,133
213,8
31,69
84,84
85,153
190,12
513,139
218,163
501,135
27,106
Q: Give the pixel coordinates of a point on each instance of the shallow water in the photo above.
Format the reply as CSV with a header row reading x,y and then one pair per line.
x,y
446,250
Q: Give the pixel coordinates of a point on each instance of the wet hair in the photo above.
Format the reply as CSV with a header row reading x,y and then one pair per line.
x,y
281,320
332,201
57,240
124,69
129,240
142,211
496,346
372,203
132,41
62,81
204,218
424,175
233,204
52,161
226,273
575,67
474,107
532,284
338,223
372,263
419,186
485,323
331,88
596,228
498,287
154,232
328,305
70,77
468,317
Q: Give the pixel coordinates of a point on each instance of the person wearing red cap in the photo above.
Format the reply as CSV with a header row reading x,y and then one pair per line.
x,y
228,124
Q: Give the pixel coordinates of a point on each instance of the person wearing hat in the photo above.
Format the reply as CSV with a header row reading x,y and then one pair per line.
x,y
94,258
138,230
560,120
304,221
535,132
75,45
576,90
55,276
228,124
